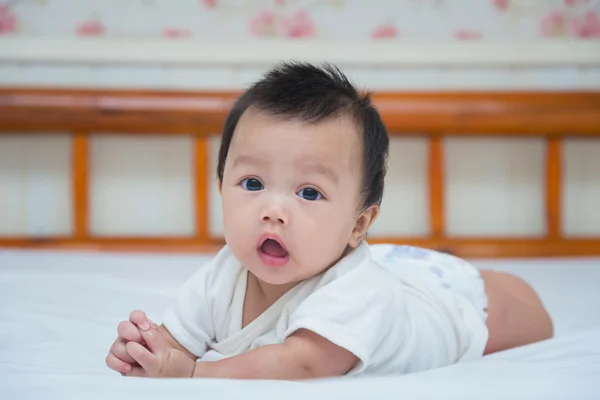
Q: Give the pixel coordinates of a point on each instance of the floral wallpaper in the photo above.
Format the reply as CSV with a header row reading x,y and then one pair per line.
x,y
303,19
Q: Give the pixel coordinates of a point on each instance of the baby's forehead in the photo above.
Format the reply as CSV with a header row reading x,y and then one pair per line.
x,y
334,141
339,127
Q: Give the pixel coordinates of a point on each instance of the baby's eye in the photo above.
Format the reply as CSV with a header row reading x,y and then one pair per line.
x,y
309,194
252,184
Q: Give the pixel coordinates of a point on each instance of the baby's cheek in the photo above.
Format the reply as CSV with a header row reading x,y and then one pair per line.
x,y
234,225
235,210
328,241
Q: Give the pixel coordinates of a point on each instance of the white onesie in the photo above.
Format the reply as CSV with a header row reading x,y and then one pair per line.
x,y
399,309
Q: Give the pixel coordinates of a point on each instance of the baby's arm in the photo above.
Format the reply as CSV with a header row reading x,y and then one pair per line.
x,y
304,355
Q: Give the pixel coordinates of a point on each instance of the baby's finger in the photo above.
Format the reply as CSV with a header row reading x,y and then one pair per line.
x,y
118,350
137,372
129,332
140,319
155,341
148,361
117,365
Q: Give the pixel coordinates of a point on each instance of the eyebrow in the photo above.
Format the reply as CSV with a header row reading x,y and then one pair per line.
x,y
304,166
316,167
244,159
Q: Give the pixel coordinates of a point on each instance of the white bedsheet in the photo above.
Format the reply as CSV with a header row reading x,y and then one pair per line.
x,y
59,311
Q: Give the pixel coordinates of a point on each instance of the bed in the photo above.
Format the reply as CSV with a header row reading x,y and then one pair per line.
x,y
62,294
60,310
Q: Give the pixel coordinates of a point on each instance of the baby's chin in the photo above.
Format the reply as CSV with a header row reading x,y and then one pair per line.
x,y
275,284
288,275
277,281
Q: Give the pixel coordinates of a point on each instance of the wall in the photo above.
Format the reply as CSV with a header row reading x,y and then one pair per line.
x,y
307,19
142,185
226,44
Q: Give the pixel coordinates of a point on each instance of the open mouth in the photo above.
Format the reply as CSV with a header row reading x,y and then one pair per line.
x,y
272,252
273,248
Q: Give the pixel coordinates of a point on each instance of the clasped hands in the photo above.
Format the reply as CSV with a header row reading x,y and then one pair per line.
x,y
141,350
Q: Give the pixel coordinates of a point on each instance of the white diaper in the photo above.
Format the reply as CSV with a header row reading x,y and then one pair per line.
x,y
450,272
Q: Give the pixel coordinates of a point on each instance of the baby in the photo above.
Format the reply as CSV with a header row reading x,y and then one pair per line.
x,y
297,293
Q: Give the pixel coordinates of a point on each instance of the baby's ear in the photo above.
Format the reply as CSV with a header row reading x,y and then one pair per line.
x,y
363,223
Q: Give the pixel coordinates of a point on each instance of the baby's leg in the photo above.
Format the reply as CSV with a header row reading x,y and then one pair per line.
x,y
516,315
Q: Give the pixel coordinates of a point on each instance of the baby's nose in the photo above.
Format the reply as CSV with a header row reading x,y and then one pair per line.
x,y
268,218
275,212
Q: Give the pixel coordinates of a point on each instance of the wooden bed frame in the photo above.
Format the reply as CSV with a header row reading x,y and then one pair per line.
x,y
550,115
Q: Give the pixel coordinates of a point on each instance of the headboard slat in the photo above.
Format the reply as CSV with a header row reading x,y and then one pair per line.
x,y
474,113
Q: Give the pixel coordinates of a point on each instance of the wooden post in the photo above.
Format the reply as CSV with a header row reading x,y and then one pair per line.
x,y
436,187
80,187
202,187
553,187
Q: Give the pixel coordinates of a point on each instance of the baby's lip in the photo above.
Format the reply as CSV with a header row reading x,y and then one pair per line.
x,y
271,236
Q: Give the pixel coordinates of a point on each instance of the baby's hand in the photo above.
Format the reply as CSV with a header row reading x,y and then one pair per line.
x,y
128,331
158,359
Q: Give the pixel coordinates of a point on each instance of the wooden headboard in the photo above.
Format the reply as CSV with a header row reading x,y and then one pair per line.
x,y
553,116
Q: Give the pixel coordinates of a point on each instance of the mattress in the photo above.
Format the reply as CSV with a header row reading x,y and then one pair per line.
x,y
59,312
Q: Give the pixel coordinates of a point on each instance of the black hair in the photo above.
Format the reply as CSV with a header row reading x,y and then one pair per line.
x,y
312,94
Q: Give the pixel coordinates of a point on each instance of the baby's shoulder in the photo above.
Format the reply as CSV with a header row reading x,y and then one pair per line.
x,y
373,280
365,288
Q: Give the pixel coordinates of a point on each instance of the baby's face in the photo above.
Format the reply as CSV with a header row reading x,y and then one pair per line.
x,y
291,195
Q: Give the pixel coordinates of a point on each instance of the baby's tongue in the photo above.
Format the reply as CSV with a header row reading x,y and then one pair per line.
x,y
272,248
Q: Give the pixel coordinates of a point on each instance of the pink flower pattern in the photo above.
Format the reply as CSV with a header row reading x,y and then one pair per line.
x,y
557,23
209,3
554,23
176,33
8,21
464,34
263,24
586,26
268,23
299,25
90,28
501,5
572,3
385,31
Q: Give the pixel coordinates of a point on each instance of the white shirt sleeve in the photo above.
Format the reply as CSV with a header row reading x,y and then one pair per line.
x,y
191,320
356,311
